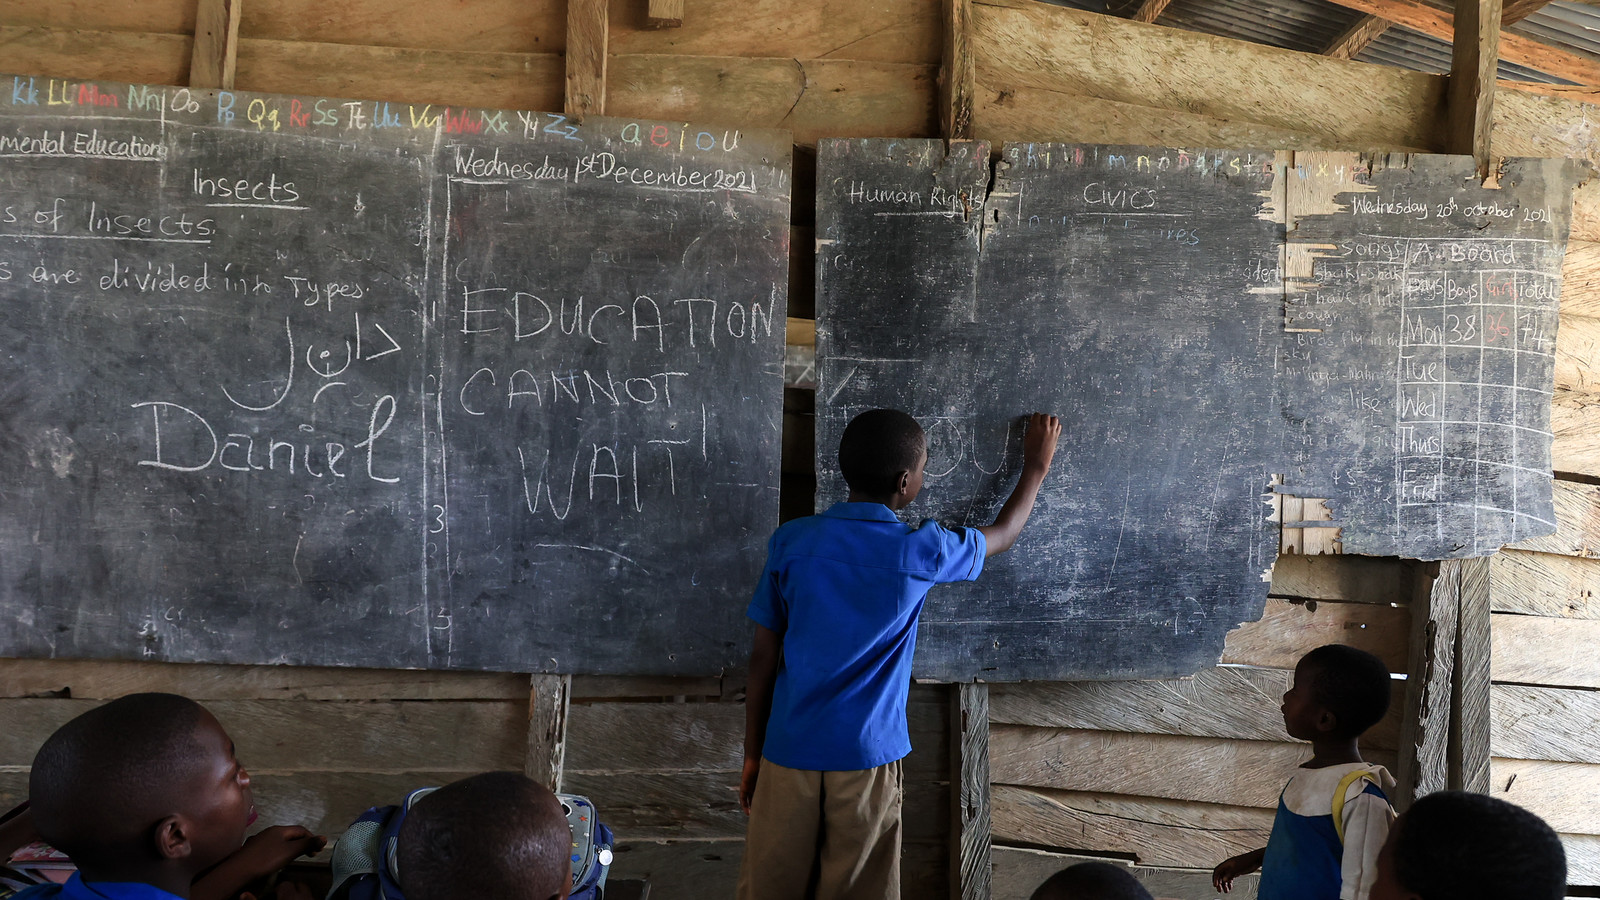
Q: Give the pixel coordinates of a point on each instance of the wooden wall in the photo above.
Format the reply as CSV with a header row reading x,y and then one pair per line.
x,y
1174,775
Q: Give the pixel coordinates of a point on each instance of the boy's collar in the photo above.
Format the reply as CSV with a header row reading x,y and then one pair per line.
x,y
870,512
76,888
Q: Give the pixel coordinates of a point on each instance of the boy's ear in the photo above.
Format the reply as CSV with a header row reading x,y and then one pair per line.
x,y
1327,721
905,481
172,838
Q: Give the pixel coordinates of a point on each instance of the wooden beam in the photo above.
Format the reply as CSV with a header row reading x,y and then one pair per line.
x,y
1150,10
1469,695
1574,66
548,699
664,14
969,794
957,72
586,58
1514,11
1357,37
1424,732
216,44
1474,60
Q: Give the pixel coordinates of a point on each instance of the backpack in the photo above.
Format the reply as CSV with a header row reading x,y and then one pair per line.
x,y
364,864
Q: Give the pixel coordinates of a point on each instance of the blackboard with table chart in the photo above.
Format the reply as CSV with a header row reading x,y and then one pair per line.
x,y
302,380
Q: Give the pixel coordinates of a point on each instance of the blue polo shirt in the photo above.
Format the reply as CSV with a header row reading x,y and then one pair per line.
x,y
843,590
77,889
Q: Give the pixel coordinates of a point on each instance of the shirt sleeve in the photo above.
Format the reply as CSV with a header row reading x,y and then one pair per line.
x,y
1367,817
767,606
961,553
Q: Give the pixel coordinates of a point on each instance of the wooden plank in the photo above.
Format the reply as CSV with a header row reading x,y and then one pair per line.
x,y
1225,702
1580,280
283,736
1424,732
1208,770
811,98
587,32
1583,858
549,697
1530,722
1578,525
1025,44
442,78
893,31
1514,11
664,14
694,870
957,72
1153,832
496,26
1561,793
1469,696
1474,60
215,57
327,802
635,687
1287,631
1150,10
1543,584
1438,23
614,737
969,794
1575,423
96,55
93,679
153,16
1018,871
1538,650
1356,38
1353,579
1578,355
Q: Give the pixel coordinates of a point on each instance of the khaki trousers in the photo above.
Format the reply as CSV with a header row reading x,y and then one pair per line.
x,y
823,835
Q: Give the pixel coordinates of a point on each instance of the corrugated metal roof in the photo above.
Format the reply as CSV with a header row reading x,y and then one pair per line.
x,y
1406,49
1291,24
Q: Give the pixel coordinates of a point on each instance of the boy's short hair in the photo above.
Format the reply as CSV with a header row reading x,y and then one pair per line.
x,y
495,836
876,447
1352,684
1092,881
1454,845
101,780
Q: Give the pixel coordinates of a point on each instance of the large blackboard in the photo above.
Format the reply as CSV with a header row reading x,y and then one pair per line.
x,y
1141,294
313,381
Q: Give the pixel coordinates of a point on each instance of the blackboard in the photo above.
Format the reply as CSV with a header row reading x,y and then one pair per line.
x,y
300,380
1141,293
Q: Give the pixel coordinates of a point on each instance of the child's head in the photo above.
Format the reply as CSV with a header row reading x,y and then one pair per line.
x,y
1339,692
881,453
1092,881
495,836
1459,846
144,784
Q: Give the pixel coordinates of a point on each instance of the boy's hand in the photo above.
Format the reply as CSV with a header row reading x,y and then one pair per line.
x,y
1039,443
1226,871
276,847
747,783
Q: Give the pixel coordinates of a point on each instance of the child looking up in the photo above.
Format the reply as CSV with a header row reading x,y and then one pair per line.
x,y
144,794
836,626
1333,815
1458,846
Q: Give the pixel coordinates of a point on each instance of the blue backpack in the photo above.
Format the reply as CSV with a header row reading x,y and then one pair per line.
x,y
365,867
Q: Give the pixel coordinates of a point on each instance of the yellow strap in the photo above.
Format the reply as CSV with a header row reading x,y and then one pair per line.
x,y
1338,797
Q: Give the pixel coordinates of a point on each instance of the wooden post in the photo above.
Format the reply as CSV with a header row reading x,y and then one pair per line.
x,y
216,44
1469,696
1356,38
1473,64
957,73
664,14
586,58
548,699
1150,10
969,792
1425,730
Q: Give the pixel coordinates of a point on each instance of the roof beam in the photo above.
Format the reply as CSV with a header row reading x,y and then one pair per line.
x,y
1149,9
1356,38
1581,68
1514,11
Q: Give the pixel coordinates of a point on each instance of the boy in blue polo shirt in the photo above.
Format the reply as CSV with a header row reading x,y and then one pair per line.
x,y
836,626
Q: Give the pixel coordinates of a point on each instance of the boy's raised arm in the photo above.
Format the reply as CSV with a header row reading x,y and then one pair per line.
x,y
764,652
1038,449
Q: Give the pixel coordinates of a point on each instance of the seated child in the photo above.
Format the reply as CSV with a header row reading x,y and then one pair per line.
x,y
1458,846
495,836
1333,815
144,795
1092,881
836,626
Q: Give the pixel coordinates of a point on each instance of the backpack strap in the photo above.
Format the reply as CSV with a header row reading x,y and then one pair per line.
x,y
1344,788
